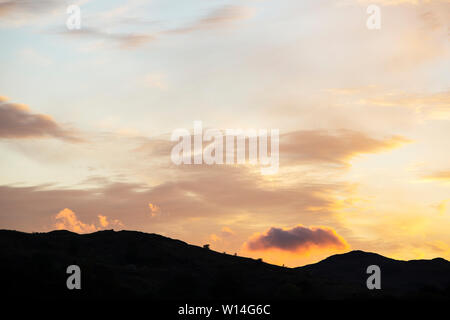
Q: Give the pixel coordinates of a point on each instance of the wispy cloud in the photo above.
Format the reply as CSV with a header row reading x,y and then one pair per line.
x,y
13,7
440,176
122,40
336,147
307,146
434,105
220,17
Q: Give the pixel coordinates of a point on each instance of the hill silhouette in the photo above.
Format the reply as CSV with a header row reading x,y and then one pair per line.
x,y
129,264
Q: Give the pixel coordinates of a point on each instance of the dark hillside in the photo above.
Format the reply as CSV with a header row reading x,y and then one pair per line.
x,y
130,264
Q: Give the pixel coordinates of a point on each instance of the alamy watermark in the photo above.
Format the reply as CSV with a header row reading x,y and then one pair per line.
x,y
374,281
374,20
231,146
73,22
74,280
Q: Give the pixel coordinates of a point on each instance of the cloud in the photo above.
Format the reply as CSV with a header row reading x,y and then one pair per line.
x,y
219,17
216,18
17,122
103,220
226,14
226,232
210,193
434,105
431,105
338,147
123,40
424,43
156,147
442,248
417,37
440,176
297,239
18,13
305,146
13,7
67,220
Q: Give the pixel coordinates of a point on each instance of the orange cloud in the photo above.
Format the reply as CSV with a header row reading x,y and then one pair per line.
x,y
103,221
68,220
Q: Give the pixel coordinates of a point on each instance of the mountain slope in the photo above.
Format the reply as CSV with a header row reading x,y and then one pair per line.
x,y
130,264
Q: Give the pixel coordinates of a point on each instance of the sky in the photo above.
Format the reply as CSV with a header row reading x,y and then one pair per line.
x,y
86,117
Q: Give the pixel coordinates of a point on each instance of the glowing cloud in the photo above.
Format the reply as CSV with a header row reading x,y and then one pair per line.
x,y
103,221
67,220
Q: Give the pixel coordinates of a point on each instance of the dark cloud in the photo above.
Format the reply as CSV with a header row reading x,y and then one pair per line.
x,y
17,122
296,239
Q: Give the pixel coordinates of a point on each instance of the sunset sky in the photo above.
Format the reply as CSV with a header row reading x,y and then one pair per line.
x,y
364,117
